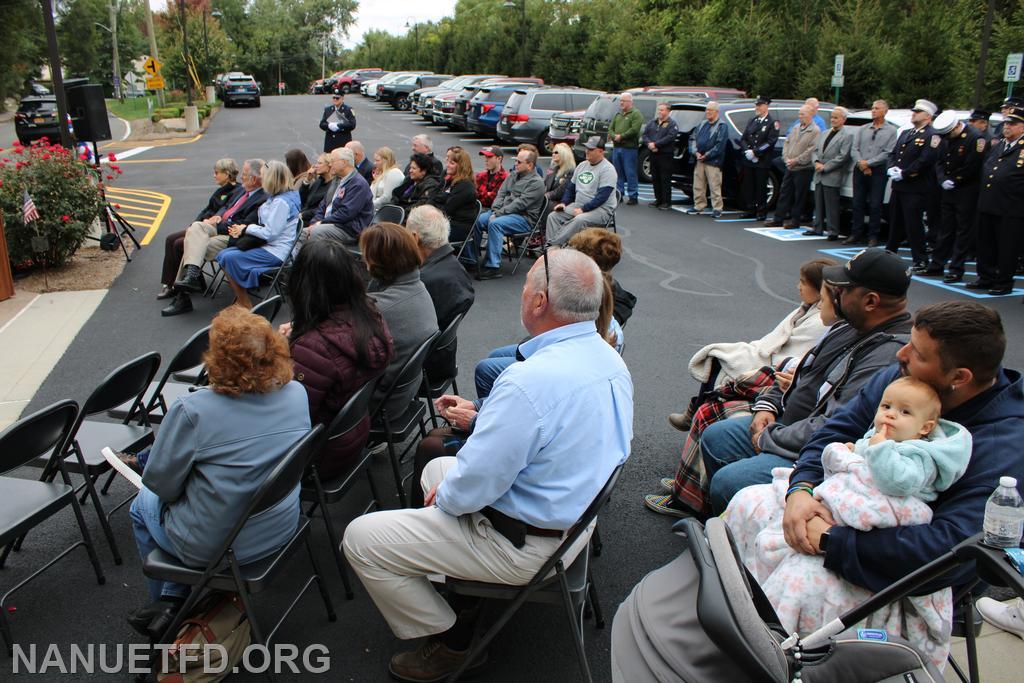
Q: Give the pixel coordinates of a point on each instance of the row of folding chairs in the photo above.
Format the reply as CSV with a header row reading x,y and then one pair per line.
x,y
273,279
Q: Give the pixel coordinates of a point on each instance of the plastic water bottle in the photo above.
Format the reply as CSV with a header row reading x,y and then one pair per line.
x,y
1004,515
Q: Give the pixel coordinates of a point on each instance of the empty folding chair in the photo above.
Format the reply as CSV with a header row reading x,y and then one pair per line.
x,y
162,393
431,390
572,586
88,437
322,493
26,504
389,213
224,573
395,429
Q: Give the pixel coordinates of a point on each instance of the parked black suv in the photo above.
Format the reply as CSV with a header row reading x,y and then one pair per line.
x,y
736,114
398,94
36,116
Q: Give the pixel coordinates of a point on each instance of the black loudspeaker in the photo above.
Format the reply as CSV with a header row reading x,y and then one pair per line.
x,y
88,112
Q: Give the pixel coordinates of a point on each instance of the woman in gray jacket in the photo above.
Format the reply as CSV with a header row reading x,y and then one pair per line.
x,y
394,261
214,449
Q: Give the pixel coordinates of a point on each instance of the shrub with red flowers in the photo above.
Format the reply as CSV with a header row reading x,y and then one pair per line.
x,y
65,191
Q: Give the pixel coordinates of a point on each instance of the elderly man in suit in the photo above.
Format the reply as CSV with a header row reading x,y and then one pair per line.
x,y
206,238
796,154
832,161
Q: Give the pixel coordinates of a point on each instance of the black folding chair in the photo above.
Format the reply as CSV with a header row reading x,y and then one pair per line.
x,y
163,393
26,504
524,238
553,583
88,437
225,573
389,213
268,308
460,245
431,390
322,493
609,223
395,429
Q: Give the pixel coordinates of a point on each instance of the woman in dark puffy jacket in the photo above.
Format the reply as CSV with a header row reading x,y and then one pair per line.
x,y
419,186
339,341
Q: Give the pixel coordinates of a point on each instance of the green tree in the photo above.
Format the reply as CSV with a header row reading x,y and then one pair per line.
x,y
21,34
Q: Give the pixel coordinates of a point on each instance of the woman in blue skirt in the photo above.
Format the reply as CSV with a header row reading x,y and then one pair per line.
x,y
279,217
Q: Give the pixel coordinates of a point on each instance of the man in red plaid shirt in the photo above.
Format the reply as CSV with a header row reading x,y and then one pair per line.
x,y
488,181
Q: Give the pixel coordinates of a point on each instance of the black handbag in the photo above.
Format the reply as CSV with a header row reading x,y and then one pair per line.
x,y
246,242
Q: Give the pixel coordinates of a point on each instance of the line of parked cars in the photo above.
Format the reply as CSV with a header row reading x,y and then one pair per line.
x,y
514,110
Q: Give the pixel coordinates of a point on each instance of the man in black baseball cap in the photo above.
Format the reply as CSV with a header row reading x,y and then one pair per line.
x,y
874,269
869,291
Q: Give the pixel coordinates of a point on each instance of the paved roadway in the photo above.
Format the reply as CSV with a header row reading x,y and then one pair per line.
x,y
697,281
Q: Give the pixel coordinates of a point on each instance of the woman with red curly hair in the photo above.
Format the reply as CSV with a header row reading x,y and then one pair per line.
x,y
214,449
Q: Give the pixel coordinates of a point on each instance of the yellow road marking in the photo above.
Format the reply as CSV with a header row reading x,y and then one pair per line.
x,y
149,161
128,199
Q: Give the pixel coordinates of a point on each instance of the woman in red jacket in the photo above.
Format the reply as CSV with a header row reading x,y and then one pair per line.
x,y
338,339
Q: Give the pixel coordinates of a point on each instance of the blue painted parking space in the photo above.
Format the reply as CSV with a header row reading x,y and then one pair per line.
x,y
844,253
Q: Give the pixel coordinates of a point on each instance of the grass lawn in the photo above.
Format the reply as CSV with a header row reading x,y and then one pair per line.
x,y
132,107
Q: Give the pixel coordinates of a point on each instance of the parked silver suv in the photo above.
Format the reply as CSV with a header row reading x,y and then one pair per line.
x,y
527,114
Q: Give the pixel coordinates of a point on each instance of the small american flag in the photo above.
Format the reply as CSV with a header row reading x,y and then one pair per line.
x,y
28,208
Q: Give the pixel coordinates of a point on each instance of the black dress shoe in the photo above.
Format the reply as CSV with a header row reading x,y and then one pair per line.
x,y
153,619
182,304
811,233
166,292
751,214
773,224
854,239
919,269
978,284
193,280
833,238
631,201
489,274
952,277
934,269
1000,291
654,205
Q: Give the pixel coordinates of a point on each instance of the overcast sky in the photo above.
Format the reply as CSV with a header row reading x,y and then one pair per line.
x,y
390,16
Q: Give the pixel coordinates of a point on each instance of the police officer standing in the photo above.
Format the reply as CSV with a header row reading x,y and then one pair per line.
x,y
337,122
1010,103
912,169
1000,208
959,164
978,120
757,146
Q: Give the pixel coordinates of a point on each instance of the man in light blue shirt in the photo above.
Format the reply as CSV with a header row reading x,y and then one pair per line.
x,y
550,434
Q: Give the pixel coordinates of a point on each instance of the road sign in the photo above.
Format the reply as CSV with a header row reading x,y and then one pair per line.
x,y
837,72
155,83
1013,65
152,67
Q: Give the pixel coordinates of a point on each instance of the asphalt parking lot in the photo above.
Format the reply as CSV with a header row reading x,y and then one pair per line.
x,y
696,280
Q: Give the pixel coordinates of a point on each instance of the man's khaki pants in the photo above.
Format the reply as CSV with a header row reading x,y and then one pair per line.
x,y
202,244
703,176
393,551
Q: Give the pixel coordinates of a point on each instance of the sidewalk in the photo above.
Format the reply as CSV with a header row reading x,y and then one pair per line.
x,y
35,331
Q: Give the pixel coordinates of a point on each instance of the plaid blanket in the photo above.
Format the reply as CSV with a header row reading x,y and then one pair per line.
x,y
733,399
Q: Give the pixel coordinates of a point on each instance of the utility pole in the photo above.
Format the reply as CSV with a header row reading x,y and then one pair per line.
x,y
118,86
55,74
188,59
153,52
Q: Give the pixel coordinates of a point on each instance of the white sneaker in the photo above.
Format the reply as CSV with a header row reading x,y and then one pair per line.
x,y
1008,616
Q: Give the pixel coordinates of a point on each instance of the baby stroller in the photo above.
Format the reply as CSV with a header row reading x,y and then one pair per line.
x,y
734,635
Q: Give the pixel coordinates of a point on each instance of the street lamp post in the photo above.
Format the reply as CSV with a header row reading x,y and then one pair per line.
x,y
416,35
512,4
188,59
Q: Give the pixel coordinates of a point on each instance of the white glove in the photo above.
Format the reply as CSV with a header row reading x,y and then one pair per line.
x,y
333,126
948,184
896,173
749,154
